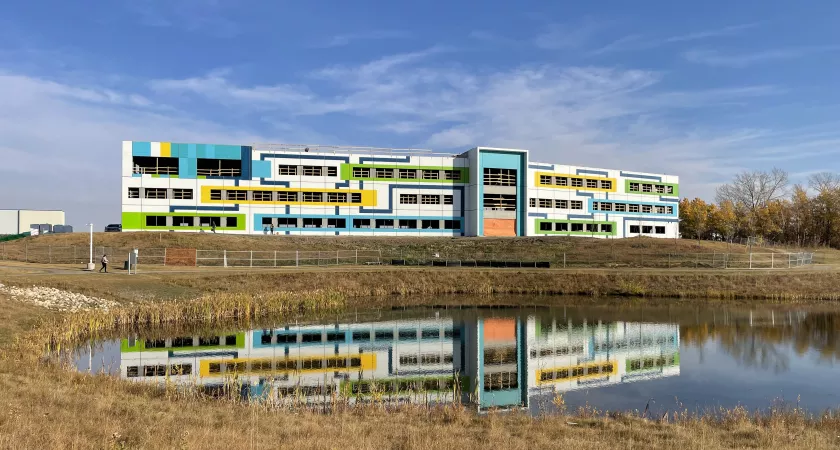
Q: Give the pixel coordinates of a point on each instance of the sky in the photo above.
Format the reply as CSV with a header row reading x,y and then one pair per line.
x,y
701,90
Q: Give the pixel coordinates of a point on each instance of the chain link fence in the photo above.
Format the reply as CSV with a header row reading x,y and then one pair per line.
x,y
415,257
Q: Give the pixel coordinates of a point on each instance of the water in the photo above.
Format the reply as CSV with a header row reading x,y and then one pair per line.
x,y
612,359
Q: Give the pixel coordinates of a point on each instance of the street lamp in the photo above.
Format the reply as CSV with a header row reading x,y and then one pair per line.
x,y
91,266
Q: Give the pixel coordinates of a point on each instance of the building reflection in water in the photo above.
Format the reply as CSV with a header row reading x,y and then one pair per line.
x,y
487,361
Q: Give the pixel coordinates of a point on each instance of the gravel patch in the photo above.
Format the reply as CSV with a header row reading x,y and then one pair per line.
x,y
56,299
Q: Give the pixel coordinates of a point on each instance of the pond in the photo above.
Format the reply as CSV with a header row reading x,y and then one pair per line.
x,y
611,359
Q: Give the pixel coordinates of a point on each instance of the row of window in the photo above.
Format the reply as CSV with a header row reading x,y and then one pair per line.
x,y
398,386
577,227
191,221
558,351
551,203
632,208
188,341
159,370
499,356
652,363
207,167
406,174
633,343
652,188
160,193
267,365
578,182
340,222
308,171
647,229
425,199
501,381
576,372
425,359
268,338
286,196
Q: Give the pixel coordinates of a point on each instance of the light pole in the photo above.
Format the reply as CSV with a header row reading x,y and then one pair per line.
x,y
90,265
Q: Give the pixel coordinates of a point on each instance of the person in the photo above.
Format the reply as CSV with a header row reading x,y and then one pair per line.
x,y
265,230
271,229
104,264
213,227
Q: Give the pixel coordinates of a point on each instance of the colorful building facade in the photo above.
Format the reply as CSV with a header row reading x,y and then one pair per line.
x,y
299,190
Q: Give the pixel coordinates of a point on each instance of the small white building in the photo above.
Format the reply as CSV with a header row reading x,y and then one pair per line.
x,y
16,221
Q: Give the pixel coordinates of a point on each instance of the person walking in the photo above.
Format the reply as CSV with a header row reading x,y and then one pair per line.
x,y
104,264
271,229
213,227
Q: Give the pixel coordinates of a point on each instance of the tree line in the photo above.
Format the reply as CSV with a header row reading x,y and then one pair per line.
x,y
761,204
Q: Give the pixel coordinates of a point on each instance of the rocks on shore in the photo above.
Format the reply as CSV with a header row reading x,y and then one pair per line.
x,y
56,299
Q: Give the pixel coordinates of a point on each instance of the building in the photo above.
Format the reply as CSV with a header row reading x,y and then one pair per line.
x,y
502,362
359,191
17,221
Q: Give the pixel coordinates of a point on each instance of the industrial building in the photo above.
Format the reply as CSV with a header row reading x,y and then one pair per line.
x,y
18,221
317,190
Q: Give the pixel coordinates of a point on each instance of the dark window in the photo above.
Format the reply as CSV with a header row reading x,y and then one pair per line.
x,y
361,335
452,224
356,197
499,177
336,337
408,224
545,226
154,165
182,342
215,194
182,221
286,338
500,202
634,228
660,230
647,229
336,223
287,170
332,171
448,199
230,340
383,335
606,228
155,221
591,227
561,226
313,222
310,337
430,334
577,227
267,221
218,167
287,222
182,194
132,371
208,341
408,334
430,224
361,223
133,192
231,222
384,223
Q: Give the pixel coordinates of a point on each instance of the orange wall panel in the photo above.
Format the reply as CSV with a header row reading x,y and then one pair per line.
x,y
500,227
496,330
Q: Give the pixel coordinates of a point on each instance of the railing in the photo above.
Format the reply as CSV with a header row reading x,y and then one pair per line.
x,y
218,172
12,251
156,170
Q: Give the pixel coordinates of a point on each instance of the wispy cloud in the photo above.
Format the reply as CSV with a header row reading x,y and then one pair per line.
x,y
636,42
731,30
740,60
348,39
626,43
568,36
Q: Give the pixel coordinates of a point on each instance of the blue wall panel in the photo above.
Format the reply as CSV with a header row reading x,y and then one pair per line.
x,y
141,148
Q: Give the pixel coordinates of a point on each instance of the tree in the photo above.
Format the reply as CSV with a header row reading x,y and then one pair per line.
x,y
726,220
754,190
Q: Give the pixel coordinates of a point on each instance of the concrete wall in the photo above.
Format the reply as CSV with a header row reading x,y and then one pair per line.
x,y
8,221
13,221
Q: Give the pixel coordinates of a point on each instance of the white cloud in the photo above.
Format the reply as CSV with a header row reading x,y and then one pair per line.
x,y
716,58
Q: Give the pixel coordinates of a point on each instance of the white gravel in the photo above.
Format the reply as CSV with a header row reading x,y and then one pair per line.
x,y
56,298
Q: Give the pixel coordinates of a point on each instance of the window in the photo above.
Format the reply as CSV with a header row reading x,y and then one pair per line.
x,y
500,202
647,188
332,171
452,224
430,334
361,223
620,207
577,227
577,182
546,179
312,222
384,223
182,221
591,183
561,204
454,175
633,208
647,229
660,210
430,358
430,224
313,197
660,230
133,192
669,189
154,165
206,221
287,196
230,222
646,208
182,194
427,199
218,167
384,173
545,226
576,204
606,184
431,174
499,177
336,223
356,197
132,371
287,222
361,172
407,174
336,197
267,221
606,228
407,334
634,229
312,171
262,196
561,226
532,202
236,195
634,187
669,209
660,189
215,194
448,199
545,202
606,206
591,227
287,170
408,360
595,206
408,199
155,193
408,224
561,181
155,221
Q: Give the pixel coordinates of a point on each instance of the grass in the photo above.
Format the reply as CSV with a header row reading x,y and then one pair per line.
x,y
46,406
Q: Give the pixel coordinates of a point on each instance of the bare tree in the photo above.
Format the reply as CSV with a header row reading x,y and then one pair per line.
x,y
754,190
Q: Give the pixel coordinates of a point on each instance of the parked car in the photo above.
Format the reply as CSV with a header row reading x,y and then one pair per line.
x,y
114,227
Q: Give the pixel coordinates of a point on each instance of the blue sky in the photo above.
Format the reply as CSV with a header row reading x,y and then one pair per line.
x,y
700,90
